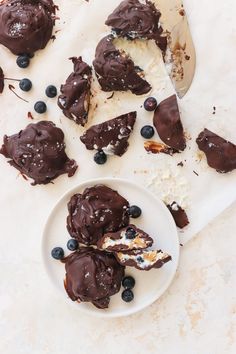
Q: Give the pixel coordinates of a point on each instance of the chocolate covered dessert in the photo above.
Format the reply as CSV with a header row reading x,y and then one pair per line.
x,y
75,93
143,259
116,71
168,124
220,153
111,136
38,151
92,276
26,25
127,239
135,19
179,215
96,211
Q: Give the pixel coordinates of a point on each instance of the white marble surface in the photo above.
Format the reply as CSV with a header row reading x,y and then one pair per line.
x,y
198,313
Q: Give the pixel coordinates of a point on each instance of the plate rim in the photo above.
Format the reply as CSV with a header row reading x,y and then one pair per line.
x,y
103,180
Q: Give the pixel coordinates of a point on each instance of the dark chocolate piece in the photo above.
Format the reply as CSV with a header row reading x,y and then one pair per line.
x,y
96,211
133,19
26,25
156,148
1,80
168,124
116,71
75,93
121,241
220,153
111,136
92,276
179,215
143,259
38,151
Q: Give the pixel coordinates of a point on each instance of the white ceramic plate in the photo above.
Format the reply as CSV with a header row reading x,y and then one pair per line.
x,y
155,220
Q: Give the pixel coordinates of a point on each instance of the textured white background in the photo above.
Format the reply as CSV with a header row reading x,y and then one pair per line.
x,y
197,315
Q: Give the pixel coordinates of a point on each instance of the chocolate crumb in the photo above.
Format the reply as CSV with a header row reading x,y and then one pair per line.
x,y
195,173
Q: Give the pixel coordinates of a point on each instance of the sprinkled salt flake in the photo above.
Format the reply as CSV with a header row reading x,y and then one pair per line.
x,y
16,28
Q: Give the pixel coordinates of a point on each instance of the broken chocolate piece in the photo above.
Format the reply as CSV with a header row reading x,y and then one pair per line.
x,y
134,19
26,25
168,123
1,80
143,259
156,148
121,241
116,71
220,153
38,151
96,211
92,276
111,136
75,93
179,215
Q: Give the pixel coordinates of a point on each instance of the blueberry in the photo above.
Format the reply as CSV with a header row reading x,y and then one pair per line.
x,y
150,104
135,211
23,61
57,253
130,233
25,85
51,91
100,157
128,282
140,259
72,244
127,295
40,107
147,132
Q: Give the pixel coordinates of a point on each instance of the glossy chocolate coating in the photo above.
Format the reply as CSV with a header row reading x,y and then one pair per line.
x,y
133,19
220,153
118,241
26,25
92,276
75,93
1,80
168,124
38,151
116,71
96,211
179,215
111,136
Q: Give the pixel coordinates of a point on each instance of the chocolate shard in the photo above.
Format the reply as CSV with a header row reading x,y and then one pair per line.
x,y
134,19
111,136
220,153
26,25
38,151
179,215
92,276
168,124
1,80
143,259
96,211
75,93
116,71
127,239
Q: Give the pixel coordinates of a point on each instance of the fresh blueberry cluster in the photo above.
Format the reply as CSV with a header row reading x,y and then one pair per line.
x,y
128,283
58,252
